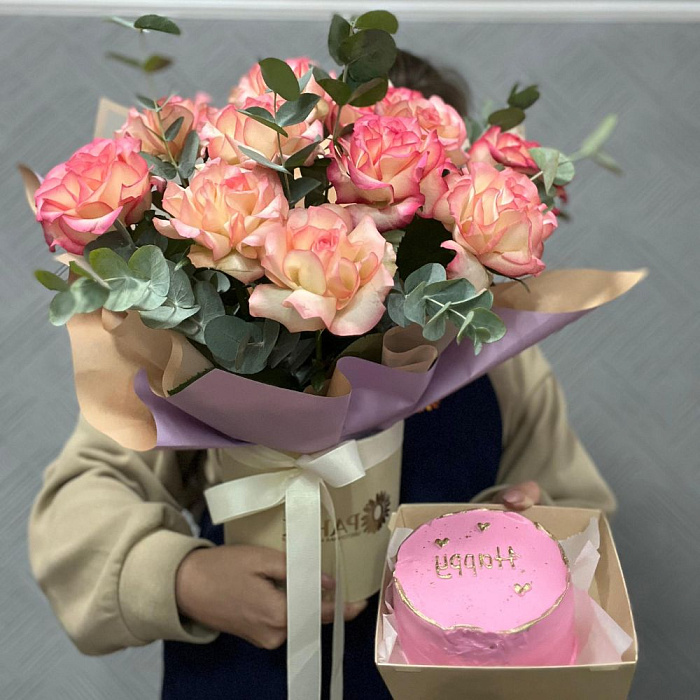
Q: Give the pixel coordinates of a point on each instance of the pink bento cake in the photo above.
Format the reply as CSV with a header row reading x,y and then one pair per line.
x,y
484,588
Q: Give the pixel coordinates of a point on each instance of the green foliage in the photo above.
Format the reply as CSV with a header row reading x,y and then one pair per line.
x,y
147,103
118,241
593,143
155,62
157,23
299,188
294,112
126,60
340,92
557,169
507,118
179,304
51,281
174,129
606,161
241,346
261,115
188,157
280,78
298,159
368,54
378,19
432,301
260,158
339,31
62,308
522,99
421,244
395,236
160,167
369,93
207,298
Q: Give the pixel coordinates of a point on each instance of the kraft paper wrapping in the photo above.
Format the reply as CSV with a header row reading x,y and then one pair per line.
x,y
125,375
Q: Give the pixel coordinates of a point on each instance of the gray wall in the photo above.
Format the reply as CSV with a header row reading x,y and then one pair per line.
x,y
630,370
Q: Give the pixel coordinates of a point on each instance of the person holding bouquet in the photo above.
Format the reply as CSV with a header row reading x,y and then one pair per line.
x,y
121,542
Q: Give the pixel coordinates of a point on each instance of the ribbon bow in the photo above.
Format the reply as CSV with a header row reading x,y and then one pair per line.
x,y
301,482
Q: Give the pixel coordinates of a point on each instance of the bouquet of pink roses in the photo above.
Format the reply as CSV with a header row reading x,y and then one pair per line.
x,y
302,268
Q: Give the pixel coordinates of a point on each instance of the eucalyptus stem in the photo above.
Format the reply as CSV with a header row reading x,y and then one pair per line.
x,y
279,144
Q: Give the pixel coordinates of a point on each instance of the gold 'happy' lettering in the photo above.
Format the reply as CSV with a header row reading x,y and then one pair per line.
x,y
460,563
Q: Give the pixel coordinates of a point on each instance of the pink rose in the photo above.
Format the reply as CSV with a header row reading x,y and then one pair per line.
x,y
433,114
504,148
83,197
497,220
227,211
145,125
227,129
391,167
252,85
326,271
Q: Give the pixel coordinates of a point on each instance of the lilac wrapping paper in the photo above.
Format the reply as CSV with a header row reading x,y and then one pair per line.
x,y
227,410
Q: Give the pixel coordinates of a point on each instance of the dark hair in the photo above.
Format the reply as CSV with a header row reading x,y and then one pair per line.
x,y
416,73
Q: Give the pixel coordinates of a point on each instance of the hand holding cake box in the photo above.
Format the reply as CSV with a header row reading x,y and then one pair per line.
x,y
484,588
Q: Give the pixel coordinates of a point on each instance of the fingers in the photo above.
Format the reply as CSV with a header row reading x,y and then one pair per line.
x,y
522,496
273,564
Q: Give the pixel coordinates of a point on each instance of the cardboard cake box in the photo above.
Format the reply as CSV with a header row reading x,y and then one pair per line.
x,y
609,681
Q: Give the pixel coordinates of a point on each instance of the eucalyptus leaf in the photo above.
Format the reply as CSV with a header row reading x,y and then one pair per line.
x,y
260,158
79,271
149,264
166,316
284,347
422,244
339,31
261,115
369,93
88,295
298,159
147,103
61,308
224,336
210,307
378,19
51,281
304,80
565,171
114,240
299,188
126,60
155,63
157,23
523,98
218,279
593,143
370,54
606,161
427,274
295,112
506,118
189,155
547,160
126,289
174,129
340,92
160,167
280,78
395,236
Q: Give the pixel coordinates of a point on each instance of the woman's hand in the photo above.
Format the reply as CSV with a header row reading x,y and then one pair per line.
x,y
240,590
521,496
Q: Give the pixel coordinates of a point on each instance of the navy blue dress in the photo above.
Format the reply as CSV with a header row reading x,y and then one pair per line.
x,y
450,454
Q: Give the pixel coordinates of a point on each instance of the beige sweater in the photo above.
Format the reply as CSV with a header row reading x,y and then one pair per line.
x,y
107,531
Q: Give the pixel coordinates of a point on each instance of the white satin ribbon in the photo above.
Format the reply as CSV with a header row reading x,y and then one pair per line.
x,y
301,482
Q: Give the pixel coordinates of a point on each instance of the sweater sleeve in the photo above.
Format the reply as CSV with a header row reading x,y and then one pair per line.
x,y
538,442
106,537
